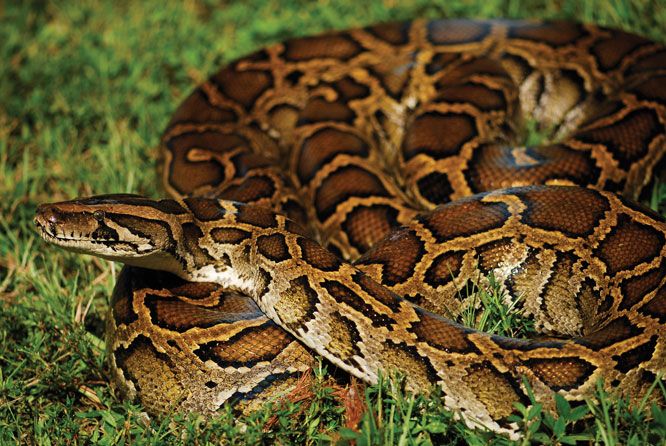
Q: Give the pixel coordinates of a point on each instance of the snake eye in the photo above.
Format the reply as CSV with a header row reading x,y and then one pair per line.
x,y
98,215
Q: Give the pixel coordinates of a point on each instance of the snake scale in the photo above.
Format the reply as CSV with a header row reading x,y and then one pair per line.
x,y
337,193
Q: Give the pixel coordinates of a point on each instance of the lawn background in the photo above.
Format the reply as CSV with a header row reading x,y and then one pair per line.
x,y
86,89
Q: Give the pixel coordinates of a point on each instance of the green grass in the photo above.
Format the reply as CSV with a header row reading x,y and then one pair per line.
x,y
85,92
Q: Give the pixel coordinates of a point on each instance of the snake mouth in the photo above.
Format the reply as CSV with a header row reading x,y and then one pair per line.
x,y
50,235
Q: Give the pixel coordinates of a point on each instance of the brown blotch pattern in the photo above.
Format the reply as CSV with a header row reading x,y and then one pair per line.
x,y
439,134
561,373
377,291
247,348
628,139
656,307
172,313
636,287
610,52
316,256
335,46
616,331
435,188
463,218
323,146
244,87
494,166
192,236
629,244
321,110
251,189
556,33
205,209
442,334
366,225
229,235
254,215
343,184
344,295
558,209
444,268
273,247
393,33
633,358
398,256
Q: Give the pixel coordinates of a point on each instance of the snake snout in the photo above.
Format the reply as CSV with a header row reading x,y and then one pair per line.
x,y
47,218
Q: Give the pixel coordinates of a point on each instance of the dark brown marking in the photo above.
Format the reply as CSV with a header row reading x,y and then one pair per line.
x,y
121,299
555,33
205,209
560,209
494,166
317,256
443,334
649,62
320,110
198,108
652,89
343,184
479,95
656,307
366,225
637,287
172,313
344,295
248,347
251,189
229,235
616,331
629,244
393,33
332,46
444,268
633,358
323,146
609,53
273,247
629,138
397,255
192,236
244,87
377,291
463,218
254,215
185,175
561,373
435,187
439,134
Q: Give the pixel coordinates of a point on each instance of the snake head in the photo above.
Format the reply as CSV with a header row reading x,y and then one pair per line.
x,y
128,228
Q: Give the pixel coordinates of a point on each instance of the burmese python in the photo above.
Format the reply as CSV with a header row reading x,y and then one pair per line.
x,y
352,134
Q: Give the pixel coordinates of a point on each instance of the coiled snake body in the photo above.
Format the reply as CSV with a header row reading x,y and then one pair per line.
x,y
336,141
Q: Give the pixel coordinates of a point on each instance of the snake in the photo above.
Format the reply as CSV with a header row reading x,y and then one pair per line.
x,y
335,194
